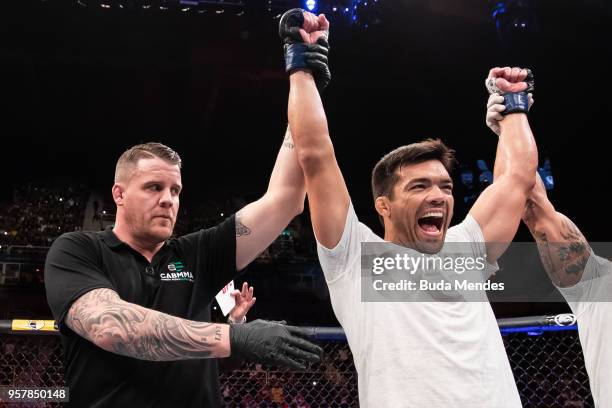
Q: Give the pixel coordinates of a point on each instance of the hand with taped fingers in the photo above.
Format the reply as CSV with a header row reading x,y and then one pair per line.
x,y
514,85
509,80
495,107
273,343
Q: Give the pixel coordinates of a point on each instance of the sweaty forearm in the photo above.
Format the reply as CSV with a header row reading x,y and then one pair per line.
x,y
307,118
517,153
134,331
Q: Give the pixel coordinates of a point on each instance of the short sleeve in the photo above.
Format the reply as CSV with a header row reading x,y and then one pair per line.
x,y
336,261
215,254
595,284
470,237
72,268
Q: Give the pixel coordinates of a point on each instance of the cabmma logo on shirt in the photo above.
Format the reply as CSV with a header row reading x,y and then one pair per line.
x,y
176,273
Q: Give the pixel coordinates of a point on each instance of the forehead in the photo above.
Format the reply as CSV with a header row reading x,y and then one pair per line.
x,y
156,169
430,169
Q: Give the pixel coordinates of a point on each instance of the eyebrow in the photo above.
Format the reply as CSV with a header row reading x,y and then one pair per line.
x,y
428,181
419,180
152,182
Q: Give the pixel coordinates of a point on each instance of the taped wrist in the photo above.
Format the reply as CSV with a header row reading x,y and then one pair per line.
x,y
516,102
295,56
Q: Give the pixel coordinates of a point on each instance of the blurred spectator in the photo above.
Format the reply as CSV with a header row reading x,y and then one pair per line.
x,y
276,392
467,189
248,401
38,215
300,402
486,176
546,175
296,243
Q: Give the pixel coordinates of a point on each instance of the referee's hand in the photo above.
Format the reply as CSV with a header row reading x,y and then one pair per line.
x,y
273,343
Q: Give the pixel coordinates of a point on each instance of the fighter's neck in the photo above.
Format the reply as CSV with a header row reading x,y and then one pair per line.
x,y
398,239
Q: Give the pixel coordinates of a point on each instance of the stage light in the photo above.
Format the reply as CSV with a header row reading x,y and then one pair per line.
x,y
515,20
310,5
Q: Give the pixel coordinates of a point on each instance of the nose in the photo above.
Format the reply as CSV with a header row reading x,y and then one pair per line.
x,y
436,196
166,200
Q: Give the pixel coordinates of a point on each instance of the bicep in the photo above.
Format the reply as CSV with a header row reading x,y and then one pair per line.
x,y
498,211
257,226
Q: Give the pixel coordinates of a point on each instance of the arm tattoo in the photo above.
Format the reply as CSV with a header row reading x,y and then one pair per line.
x,y
288,141
124,328
546,257
576,252
241,229
565,257
529,215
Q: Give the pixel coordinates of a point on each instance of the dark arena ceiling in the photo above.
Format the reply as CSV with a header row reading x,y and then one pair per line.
x,y
83,80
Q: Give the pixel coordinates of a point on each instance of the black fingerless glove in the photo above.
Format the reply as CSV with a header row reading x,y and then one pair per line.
x,y
299,55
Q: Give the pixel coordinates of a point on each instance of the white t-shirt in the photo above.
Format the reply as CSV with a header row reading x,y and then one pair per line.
x,y
587,300
418,355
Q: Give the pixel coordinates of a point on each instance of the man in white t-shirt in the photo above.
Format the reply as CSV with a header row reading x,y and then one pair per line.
x,y
583,278
415,354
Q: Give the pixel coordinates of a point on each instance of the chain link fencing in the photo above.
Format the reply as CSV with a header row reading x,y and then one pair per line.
x,y
547,362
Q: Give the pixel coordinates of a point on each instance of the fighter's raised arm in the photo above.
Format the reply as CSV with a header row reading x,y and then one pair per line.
x,y
582,277
563,249
260,222
500,206
328,196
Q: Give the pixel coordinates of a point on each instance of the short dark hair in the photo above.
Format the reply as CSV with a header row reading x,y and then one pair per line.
x,y
385,174
129,159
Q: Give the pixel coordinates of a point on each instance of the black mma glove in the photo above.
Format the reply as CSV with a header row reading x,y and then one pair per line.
x,y
300,55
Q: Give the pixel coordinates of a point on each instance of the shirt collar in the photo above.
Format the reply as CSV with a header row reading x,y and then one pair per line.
x,y
110,238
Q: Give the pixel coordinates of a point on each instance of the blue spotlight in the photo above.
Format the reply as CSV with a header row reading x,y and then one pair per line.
x,y
311,4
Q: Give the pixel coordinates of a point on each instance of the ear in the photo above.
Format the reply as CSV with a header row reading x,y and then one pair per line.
x,y
382,206
118,191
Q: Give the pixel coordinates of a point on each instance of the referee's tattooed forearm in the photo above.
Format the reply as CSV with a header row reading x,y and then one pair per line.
x,y
134,331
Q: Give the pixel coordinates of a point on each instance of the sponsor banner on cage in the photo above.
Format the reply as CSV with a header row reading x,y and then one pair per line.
x,y
33,325
464,272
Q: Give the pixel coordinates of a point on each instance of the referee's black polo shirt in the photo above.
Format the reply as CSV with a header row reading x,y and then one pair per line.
x,y
181,280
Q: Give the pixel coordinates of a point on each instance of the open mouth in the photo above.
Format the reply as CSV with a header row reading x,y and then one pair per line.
x,y
432,222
